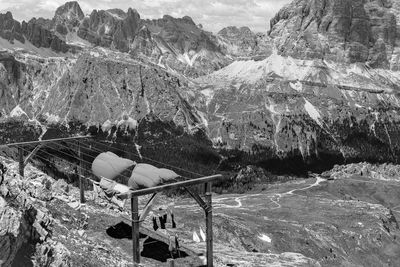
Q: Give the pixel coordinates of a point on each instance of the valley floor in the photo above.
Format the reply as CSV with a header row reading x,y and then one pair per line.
x,y
350,220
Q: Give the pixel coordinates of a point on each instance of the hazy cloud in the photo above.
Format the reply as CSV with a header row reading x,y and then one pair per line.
x,y
212,14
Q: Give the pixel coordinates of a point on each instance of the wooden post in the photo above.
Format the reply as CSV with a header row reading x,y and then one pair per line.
x,y
21,161
135,230
209,231
81,184
171,262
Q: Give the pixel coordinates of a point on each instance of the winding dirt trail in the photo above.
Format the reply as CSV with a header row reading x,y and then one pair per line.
x,y
237,203
276,197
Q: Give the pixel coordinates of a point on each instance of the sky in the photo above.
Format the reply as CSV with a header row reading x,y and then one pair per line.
x,y
212,14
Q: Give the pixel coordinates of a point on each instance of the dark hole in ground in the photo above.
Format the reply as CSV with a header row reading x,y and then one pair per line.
x,y
158,250
121,230
152,248
23,257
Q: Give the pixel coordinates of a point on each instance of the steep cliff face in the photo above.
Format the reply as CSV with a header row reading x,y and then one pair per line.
x,y
243,43
349,30
98,87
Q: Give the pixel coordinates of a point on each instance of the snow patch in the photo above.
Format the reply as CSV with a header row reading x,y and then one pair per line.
x,y
72,38
114,15
107,29
209,94
129,123
298,86
52,119
17,112
138,150
107,125
313,112
185,58
265,238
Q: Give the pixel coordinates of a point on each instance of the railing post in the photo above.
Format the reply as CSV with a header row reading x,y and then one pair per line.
x,y
135,230
171,263
21,161
209,231
81,184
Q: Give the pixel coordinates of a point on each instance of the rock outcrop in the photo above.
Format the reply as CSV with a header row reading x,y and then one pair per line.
x,y
243,43
350,31
25,222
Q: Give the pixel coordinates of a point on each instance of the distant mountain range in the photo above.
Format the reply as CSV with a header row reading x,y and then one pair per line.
x,y
321,86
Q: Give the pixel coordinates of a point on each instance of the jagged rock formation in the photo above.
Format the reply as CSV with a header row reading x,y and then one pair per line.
x,y
175,43
31,31
350,30
243,43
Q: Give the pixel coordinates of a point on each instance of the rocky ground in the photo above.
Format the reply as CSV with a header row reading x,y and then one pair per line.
x,y
347,216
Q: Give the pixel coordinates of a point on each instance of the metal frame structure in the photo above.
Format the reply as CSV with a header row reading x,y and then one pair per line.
x,y
205,204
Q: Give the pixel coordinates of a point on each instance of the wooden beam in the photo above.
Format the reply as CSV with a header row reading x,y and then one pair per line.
x,y
135,230
44,141
21,161
81,180
209,231
148,207
34,151
160,188
198,199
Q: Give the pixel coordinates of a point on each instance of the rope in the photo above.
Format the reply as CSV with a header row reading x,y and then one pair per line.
x,y
90,163
101,151
156,161
52,155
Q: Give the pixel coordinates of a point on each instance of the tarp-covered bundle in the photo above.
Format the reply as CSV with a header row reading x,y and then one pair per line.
x,y
146,175
108,165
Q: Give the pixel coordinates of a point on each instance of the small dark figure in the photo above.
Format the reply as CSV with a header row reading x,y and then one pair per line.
x,y
173,221
155,225
163,221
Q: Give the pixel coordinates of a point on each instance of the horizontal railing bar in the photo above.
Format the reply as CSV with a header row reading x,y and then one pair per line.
x,y
155,189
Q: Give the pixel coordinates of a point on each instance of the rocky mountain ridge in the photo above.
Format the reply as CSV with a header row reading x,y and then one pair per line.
x,y
32,31
177,43
278,108
350,31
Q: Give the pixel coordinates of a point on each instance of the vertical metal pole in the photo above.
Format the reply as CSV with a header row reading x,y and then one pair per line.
x,y
209,231
81,185
21,161
135,230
